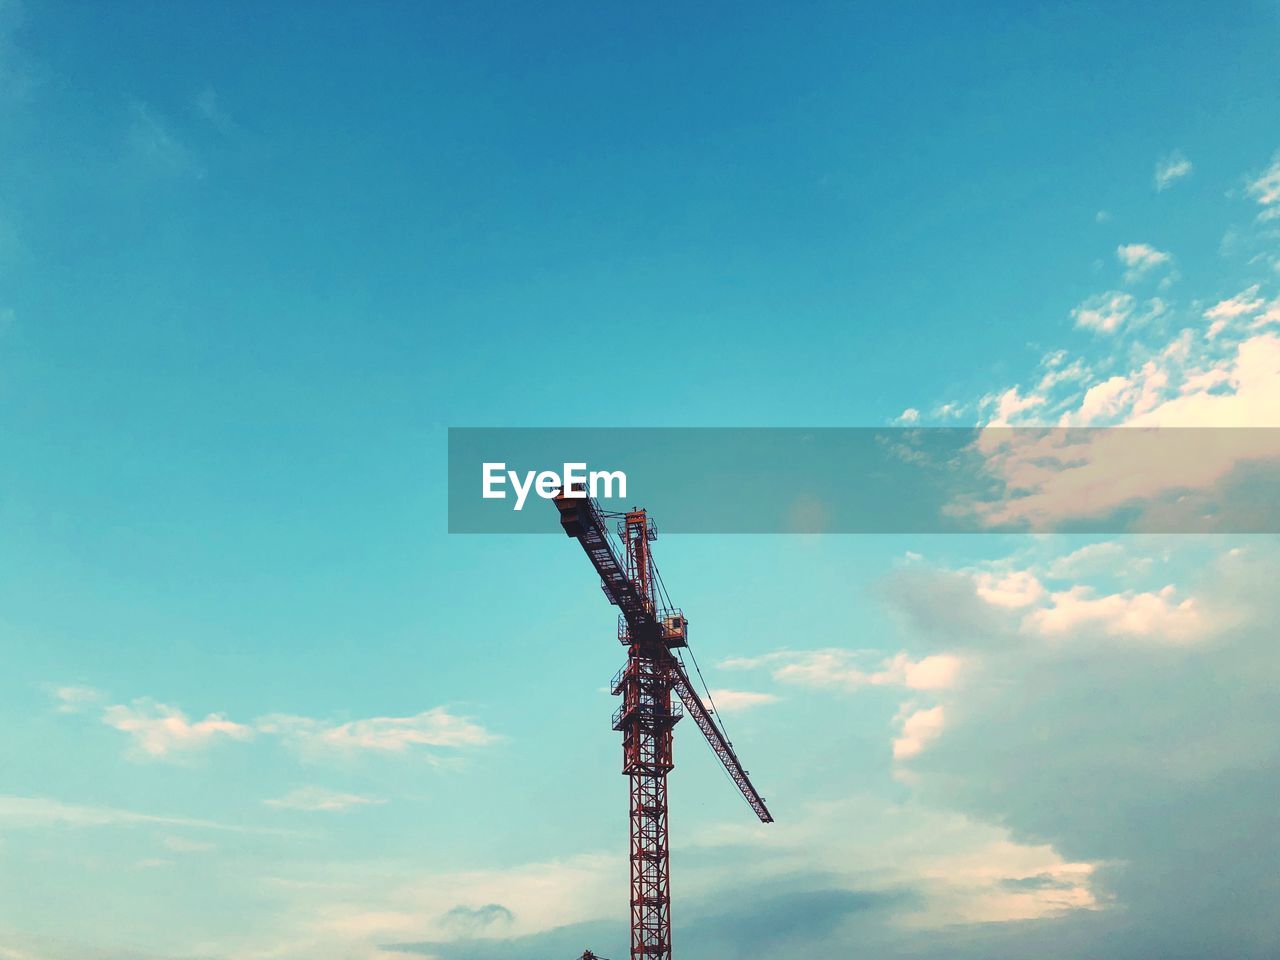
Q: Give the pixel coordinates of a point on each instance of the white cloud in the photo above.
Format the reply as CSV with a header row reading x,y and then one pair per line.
x,y
162,731
1055,475
919,728
1225,312
909,415
949,411
186,844
1157,615
73,698
1243,303
1102,402
1058,371
28,812
159,730
1013,590
839,668
1268,317
1265,189
1140,259
1253,400
733,701
437,727
935,672
1107,557
1170,169
319,799
1104,312
1023,606
1009,404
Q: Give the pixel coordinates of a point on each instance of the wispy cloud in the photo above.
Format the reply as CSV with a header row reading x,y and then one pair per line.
x,y
1265,189
1246,303
209,106
1171,168
1021,605
1010,404
437,727
165,732
72,698
1140,259
27,812
1107,557
848,669
734,701
154,147
314,799
179,844
159,730
950,410
1105,312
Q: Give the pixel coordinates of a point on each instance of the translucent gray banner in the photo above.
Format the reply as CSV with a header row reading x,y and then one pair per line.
x,y
875,480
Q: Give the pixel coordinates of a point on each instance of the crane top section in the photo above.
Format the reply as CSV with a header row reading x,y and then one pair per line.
x,y
631,583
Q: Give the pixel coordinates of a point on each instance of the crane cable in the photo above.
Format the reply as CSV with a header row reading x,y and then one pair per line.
x,y
662,589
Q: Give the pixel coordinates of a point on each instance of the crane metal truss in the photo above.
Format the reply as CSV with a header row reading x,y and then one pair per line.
x,y
652,634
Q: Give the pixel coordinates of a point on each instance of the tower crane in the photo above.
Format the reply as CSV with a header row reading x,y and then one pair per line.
x,y
654,633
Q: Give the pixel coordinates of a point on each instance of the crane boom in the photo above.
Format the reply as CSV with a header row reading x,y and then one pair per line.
x,y
695,708
582,519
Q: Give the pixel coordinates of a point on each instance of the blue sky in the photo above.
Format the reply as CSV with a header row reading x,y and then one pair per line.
x,y
253,264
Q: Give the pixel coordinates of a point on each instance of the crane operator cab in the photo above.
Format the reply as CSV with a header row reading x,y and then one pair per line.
x,y
675,629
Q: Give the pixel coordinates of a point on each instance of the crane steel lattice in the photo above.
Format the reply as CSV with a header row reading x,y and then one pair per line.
x,y
651,633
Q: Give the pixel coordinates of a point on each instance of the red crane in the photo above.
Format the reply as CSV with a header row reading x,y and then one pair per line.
x,y
653,633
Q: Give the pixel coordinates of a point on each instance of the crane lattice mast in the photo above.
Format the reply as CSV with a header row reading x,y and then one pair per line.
x,y
653,633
